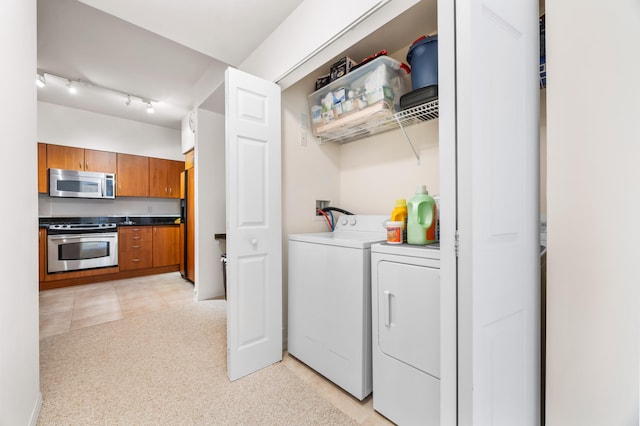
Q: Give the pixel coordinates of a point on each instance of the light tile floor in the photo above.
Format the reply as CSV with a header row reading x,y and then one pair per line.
x,y
70,308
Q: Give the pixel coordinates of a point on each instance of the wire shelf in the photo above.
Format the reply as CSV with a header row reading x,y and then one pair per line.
x,y
379,120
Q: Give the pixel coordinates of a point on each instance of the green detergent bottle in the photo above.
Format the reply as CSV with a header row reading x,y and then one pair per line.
x,y
420,216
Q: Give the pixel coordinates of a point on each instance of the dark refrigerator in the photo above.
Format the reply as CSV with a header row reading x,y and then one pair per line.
x,y
187,225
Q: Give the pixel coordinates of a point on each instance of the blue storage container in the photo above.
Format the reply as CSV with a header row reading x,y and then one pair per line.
x,y
423,58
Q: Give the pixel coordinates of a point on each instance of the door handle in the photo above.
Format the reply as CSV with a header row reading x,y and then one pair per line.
x,y
387,308
254,242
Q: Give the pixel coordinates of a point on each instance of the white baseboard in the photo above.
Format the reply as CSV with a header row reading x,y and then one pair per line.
x,y
35,413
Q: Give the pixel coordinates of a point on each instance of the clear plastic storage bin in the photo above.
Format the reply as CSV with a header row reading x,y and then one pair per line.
x,y
368,91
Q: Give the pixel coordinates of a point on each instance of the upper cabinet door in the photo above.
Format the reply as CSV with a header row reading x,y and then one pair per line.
x,y
164,178
65,157
158,178
132,176
99,161
174,168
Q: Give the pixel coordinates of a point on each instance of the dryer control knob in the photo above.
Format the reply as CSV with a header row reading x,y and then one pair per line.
x,y
352,222
344,221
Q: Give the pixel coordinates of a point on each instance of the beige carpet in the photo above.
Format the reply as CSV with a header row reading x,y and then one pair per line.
x,y
167,368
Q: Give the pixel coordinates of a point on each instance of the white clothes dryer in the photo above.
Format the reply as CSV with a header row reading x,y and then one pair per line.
x,y
406,332
329,288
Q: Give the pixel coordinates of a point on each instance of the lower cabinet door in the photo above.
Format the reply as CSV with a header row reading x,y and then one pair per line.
x,y
166,245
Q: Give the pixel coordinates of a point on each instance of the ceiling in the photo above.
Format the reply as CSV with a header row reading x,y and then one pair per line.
x,y
160,51
154,51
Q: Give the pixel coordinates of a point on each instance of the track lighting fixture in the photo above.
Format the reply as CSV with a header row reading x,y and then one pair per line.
x,y
72,83
41,81
71,87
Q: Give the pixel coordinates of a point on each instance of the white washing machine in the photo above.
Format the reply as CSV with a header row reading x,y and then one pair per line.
x,y
406,332
329,323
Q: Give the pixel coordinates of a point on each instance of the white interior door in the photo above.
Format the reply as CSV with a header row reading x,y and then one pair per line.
x,y
498,200
254,230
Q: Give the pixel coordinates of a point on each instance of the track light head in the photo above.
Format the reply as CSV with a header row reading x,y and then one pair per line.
x,y
150,109
41,81
71,87
128,101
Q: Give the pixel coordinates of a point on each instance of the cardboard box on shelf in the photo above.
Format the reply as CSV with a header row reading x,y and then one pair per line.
x,y
322,81
341,68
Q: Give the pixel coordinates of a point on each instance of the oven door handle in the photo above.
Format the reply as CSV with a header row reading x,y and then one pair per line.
x,y
79,236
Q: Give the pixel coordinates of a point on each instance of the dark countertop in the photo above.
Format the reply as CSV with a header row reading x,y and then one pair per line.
x,y
119,220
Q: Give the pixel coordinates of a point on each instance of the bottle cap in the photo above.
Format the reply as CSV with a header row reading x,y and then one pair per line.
x,y
401,202
422,189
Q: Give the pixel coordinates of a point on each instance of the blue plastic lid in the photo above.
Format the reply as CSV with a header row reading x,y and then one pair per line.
x,y
419,42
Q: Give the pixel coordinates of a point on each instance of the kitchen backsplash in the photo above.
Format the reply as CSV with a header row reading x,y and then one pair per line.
x,y
52,207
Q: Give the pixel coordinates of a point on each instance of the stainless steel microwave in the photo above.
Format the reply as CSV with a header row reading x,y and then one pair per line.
x,y
81,184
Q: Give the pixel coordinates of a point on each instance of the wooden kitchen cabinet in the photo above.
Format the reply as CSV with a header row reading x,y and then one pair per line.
x,y
135,247
189,159
71,158
166,245
100,161
164,177
132,176
65,157
43,179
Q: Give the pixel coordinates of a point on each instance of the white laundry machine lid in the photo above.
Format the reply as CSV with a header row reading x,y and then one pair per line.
x,y
358,240
355,231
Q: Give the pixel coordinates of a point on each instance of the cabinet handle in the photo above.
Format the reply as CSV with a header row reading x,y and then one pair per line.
x,y
80,164
170,190
136,246
165,189
135,260
135,238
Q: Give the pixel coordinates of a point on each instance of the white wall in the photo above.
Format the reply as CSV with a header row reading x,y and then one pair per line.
x,y
84,129
376,171
20,398
593,106
310,172
210,205
74,127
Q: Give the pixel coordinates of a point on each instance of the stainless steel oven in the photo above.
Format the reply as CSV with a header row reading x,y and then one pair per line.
x,y
73,247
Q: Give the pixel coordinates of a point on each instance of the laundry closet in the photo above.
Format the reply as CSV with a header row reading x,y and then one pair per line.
x,y
480,156
488,188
